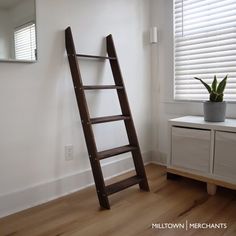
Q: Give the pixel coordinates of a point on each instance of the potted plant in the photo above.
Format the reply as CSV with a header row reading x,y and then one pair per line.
x,y
215,108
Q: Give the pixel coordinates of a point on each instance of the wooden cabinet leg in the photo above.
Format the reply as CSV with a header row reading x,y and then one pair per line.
x,y
211,189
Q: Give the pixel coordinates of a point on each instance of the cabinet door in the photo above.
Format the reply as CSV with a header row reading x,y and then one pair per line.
x,y
225,155
191,149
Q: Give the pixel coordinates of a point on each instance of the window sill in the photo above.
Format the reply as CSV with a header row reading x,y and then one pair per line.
x,y
176,101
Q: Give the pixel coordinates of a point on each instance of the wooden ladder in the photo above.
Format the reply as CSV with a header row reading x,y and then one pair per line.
x,y
140,178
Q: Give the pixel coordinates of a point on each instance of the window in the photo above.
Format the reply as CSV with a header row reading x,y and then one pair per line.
x,y
205,45
25,42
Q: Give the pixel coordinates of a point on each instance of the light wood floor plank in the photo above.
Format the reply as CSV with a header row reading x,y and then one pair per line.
x,y
132,211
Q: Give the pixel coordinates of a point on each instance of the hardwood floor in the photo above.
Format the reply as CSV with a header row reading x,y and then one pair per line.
x,y
132,212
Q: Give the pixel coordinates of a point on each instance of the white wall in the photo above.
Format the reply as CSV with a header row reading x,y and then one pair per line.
x,y
4,34
164,107
39,115
23,12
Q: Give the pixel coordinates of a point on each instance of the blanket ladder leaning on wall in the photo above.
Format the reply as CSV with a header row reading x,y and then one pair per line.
x,y
140,178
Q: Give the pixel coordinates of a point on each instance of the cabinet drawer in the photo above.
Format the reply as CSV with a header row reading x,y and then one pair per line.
x,y
225,155
191,148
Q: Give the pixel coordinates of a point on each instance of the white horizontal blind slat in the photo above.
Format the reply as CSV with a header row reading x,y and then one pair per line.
x,y
205,45
25,42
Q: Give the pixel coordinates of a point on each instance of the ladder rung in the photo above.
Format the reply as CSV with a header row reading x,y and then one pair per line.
x,y
115,151
108,119
95,57
92,87
121,185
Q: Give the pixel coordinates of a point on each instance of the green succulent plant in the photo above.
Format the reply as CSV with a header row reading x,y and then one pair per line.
x,y
216,90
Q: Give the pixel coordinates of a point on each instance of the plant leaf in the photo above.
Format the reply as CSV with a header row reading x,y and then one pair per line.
x,y
205,84
214,84
213,96
220,97
222,85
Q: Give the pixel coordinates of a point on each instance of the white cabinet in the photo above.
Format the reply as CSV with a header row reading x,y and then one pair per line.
x,y
225,155
190,148
205,151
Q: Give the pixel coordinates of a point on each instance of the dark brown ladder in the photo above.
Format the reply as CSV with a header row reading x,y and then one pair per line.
x,y
140,178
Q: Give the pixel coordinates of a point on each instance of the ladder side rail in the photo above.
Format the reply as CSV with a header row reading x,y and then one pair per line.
x,y
122,95
129,124
85,118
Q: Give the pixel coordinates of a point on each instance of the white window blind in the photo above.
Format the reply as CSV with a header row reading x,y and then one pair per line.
x,y
205,45
25,42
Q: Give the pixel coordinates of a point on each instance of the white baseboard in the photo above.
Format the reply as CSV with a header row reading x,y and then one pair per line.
x,y
158,163
38,194
159,158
